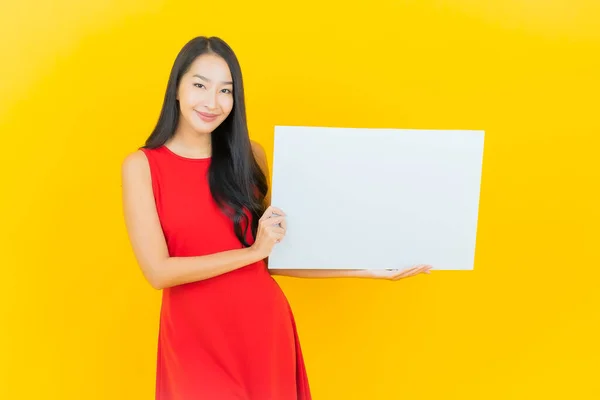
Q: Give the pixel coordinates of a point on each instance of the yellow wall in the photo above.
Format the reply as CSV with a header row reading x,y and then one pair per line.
x,y
82,83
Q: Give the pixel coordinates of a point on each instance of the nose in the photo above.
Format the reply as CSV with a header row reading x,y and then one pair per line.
x,y
210,100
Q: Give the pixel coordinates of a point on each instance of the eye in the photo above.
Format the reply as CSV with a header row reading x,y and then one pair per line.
x,y
226,91
198,85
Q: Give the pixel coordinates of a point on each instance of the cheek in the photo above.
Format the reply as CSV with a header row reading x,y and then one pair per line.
x,y
188,98
227,104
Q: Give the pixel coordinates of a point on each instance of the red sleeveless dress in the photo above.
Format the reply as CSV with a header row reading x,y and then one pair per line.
x,y
229,337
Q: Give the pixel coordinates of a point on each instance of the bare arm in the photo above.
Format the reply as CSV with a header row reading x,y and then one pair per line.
x,y
148,242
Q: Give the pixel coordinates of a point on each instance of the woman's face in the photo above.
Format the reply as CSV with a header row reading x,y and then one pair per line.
x,y
205,93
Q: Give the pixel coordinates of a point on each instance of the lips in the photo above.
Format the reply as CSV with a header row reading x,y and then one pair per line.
x,y
207,117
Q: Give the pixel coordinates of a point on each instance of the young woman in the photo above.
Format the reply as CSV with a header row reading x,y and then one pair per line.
x,y
196,205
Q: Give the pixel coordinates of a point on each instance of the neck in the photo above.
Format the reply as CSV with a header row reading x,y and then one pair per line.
x,y
190,143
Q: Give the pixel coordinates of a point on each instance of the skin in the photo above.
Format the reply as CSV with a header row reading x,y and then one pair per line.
x,y
207,88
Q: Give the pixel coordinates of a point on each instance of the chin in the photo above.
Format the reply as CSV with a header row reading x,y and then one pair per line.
x,y
204,128
201,126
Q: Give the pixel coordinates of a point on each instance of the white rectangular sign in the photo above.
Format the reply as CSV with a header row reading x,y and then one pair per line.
x,y
376,198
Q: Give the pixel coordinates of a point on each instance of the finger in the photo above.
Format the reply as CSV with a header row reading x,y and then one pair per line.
x,y
268,212
421,267
272,211
274,215
277,220
407,271
277,211
408,274
278,237
416,271
424,269
401,275
275,230
272,220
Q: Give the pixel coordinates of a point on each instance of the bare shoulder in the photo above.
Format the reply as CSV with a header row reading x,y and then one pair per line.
x,y
260,155
141,216
135,165
259,150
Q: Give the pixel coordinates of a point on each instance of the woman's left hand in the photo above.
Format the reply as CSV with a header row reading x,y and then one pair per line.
x,y
396,274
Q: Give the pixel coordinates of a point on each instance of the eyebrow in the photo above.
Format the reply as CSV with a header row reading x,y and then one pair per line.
x,y
208,80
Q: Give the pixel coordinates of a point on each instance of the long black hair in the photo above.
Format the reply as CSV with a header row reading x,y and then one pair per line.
x,y
236,180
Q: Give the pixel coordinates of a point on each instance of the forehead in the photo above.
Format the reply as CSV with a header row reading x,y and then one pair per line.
x,y
210,66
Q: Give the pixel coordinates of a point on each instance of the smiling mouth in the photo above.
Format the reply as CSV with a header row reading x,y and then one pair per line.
x,y
206,116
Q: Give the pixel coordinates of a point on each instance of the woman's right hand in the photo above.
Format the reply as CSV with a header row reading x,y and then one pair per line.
x,y
271,230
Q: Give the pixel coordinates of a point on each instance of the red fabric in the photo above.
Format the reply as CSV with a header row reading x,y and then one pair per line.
x,y
229,337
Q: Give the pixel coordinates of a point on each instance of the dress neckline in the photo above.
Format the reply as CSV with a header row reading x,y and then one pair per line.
x,y
203,159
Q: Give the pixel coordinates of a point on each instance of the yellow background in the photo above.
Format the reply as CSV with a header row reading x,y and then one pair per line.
x,y
82,84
